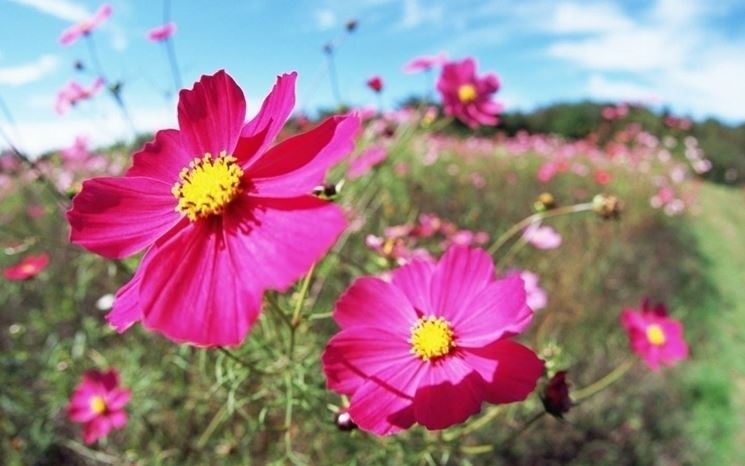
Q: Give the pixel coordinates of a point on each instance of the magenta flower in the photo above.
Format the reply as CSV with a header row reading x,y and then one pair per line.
x,y
467,96
27,268
542,237
432,345
223,216
98,403
73,93
364,162
656,338
536,296
161,33
375,83
85,27
425,63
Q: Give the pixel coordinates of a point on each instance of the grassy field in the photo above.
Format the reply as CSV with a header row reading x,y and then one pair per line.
x,y
195,406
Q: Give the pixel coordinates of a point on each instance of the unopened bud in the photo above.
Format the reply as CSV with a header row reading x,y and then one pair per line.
x,y
607,206
351,25
544,202
344,421
555,396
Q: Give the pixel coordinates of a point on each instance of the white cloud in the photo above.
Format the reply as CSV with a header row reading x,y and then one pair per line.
x,y
63,9
325,19
594,17
603,88
28,72
415,15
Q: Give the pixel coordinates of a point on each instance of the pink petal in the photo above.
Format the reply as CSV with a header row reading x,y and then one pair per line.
x,y
117,217
118,398
371,302
356,354
383,404
126,310
499,309
211,115
297,165
163,158
449,393
118,419
96,429
460,275
276,241
414,279
510,370
194,288
274,112
70,35
79,409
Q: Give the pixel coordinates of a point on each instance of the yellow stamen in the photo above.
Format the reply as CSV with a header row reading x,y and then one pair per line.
x,y
207,185
467,93
655,335
431,337
98,405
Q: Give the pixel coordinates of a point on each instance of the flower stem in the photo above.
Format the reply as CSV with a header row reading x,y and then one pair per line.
x,y
527,221
604,382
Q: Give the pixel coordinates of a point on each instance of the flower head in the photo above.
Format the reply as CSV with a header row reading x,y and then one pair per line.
x,y
161,33
221,213
425,63
27,268
431,345
375,83
98,403
73,93
467,96
656,338
85,27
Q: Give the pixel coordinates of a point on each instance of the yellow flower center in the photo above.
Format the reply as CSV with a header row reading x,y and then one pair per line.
x,y
467,93
655,335
207,185
431,337
98,405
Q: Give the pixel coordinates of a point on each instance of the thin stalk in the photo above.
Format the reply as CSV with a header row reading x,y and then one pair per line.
x,y
527,221
170,49
333,78
604,382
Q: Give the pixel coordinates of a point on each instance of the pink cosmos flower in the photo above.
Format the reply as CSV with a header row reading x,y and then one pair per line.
x,y
467,96
85,27
78,151
161,33
536,296
425,63
366,161
73,93
547,171
27,268
432,345
222,215
98,403
375,83
656,338
542,237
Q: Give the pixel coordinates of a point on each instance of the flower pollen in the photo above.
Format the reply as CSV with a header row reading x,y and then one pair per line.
x,y
467,93
98,405
431,337
207,185
655,335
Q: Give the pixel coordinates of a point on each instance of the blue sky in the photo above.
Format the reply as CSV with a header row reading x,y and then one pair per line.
x,y
685,54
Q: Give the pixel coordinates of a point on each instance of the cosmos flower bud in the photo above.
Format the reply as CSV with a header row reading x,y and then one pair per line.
x,y
351,25
555,396
544,202
344,421
607,206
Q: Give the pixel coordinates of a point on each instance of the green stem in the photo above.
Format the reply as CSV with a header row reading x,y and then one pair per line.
x,y
277,309
527,221
604,382
303,294
240,361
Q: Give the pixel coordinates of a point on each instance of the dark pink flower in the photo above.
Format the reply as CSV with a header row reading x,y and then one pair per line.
x,y
222,214
425,63
364,162
467,96
73,93
432,345
98,403
375,83
656,338
85,27
27,268
161,33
